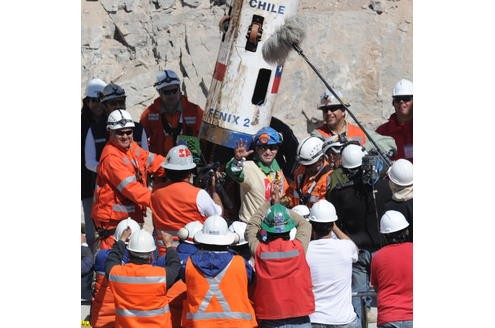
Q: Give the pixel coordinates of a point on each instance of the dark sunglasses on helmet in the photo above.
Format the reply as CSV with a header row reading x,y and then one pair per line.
x,y
123,132
271,147
403,98
169,91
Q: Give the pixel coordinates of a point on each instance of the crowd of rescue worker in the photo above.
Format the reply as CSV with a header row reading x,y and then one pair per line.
x,y
283,234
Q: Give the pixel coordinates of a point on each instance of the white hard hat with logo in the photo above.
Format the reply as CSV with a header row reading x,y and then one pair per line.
x,y
179,158
328,100
166,78
94,87
401,172
333,143
239,228
309,150
403,88
352,156
141,242
323,211
119,119
123,225
215,232
187,232
392,221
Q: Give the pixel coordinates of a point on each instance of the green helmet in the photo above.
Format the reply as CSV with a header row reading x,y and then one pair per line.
x,y
277,220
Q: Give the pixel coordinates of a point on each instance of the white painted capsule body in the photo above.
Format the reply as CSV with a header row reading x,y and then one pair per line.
x,y
244,86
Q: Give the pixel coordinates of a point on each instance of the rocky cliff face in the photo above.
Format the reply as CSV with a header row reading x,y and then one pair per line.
x,y
361,47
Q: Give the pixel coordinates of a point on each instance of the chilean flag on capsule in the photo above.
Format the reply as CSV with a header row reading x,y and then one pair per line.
x,y
278,76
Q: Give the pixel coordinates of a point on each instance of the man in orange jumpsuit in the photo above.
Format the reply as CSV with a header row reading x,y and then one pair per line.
x,y
170,115
121,190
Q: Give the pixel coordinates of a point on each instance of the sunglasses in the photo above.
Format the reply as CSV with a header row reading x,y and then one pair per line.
x,y
123,132
169,92
116,103
271,147
93,99
332,109
403,98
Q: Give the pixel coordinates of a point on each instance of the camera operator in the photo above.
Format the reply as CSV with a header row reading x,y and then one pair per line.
x,y
178,201
359,192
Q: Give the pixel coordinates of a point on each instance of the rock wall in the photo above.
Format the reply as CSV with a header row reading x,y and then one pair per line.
x,y
361,47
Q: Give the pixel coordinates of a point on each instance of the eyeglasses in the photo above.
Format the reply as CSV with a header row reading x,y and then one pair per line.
x,y
271,147
116,102
403,98
123,132
169,92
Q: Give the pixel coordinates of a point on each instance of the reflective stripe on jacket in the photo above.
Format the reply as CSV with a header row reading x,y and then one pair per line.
x,y
121,190
283,281
316,189
174,205
353,132
140,295
160,140
220,301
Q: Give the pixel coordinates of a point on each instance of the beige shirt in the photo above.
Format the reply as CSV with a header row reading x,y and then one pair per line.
x,y
252,190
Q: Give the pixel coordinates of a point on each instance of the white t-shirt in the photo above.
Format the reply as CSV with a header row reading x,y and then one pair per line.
x,y
206,205
330,261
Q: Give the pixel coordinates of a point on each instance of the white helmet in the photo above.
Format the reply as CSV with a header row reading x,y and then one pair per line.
x,y
401,172
179,158
187,232
309,150
166,78
352,156
323,211
239,228
302,210
119,119
333,143
112,91
141,242
392,221
94,87
123,225
403,88
215,232
328,100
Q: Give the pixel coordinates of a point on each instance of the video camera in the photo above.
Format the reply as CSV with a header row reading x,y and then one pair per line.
x,y
374,166
204,177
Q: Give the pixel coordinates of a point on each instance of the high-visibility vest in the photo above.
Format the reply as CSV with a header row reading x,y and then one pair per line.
x,y
174,205
307,190
283,281
220,301
102,304
354,132
160,140
140,296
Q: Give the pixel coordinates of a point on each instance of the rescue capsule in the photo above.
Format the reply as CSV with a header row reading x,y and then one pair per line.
x,y
244,86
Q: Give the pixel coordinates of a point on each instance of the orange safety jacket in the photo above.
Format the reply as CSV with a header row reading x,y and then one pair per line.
x,y
220,301
283,287
354,132
121,190
102,304
160,141
174,205
310,188
140,296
